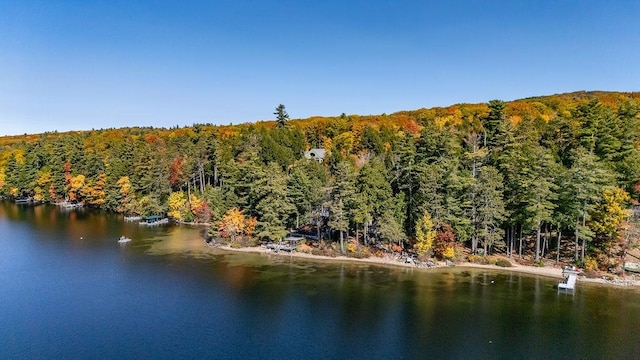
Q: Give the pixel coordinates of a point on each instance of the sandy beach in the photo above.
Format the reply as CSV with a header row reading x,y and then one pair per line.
x,y
548,271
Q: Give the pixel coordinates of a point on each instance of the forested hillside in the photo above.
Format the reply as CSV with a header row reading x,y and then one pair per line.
x,y
482,175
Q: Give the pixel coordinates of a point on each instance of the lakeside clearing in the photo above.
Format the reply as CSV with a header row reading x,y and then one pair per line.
x,y
630,281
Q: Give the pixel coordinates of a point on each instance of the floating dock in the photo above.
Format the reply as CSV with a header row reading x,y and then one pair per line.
x,y
570,278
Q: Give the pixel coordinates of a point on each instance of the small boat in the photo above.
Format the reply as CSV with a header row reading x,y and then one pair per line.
x,y
632,267
71,206
27,200
123,239
153,220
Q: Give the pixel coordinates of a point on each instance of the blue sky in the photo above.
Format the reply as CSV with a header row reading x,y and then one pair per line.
x,y
76,65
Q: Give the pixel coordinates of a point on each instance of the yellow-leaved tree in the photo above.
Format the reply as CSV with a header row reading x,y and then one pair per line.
x,y
43,181
425,234
75,185
233,224
94,193
608,217
177,205
127,202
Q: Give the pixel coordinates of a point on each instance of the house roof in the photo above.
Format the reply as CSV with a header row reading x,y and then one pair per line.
x,y
315,153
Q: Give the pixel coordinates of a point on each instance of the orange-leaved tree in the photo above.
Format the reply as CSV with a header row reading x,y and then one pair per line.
x,y
445,242
200,209
234,224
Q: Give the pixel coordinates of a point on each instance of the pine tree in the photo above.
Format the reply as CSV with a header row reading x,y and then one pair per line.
x,y
540,190
588,179
282,118
405,176
340,200
490,207
476,155
390,229
273,207
495,126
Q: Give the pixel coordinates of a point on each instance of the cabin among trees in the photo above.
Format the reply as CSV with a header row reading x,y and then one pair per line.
x,y
315,154
545,178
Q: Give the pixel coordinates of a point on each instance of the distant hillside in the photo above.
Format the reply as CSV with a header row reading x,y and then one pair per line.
x,y
426,180
538,107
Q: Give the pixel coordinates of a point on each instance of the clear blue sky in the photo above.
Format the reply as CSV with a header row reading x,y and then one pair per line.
x,y
75,65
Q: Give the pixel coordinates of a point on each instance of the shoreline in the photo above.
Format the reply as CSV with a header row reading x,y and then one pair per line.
x,y
546,271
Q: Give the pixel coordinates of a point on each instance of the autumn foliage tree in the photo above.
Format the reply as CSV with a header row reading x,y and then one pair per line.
x,y
177,206
76,183
200,209
445,243
608,217
127,201
496,174
235,226
425,234
94,192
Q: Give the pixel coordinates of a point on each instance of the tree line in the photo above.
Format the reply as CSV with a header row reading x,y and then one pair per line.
x,y
521,177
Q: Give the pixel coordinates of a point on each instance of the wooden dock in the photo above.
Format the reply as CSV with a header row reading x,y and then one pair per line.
x,y
570,278
153,221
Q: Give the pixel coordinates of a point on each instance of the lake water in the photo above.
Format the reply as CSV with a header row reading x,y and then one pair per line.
x,y
68,290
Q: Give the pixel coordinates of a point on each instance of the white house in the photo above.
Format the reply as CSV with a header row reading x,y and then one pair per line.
x,y
317,154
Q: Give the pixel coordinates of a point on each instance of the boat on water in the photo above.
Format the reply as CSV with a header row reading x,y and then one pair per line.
x,y
123,239
27,200
153,220
132,218
632,267
71,206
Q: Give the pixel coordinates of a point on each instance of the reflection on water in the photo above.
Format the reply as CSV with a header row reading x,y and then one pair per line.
x,y
183,240
69,290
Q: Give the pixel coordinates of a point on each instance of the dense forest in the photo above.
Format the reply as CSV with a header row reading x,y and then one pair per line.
x,y
519,178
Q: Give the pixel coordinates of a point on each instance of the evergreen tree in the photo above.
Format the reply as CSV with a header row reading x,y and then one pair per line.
x,y
476,155
436,145
371,141
495,126
626,160
490,207
242,175
405,176
12,176
588,179
540,190
273,207
375,195
341,191
391,229
282,118
304,188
